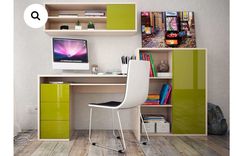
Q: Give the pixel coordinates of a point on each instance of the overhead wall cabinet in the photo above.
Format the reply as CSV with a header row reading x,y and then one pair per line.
x,y
108,18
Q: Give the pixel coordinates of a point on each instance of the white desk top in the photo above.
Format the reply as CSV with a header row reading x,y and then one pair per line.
x,y
98,76
84,75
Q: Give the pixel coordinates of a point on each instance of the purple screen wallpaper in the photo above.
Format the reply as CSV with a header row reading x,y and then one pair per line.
x,y
70,50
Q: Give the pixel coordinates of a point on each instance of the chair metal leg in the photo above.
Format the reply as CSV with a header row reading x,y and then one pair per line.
x,y
144,129
122,134
95,144
90,124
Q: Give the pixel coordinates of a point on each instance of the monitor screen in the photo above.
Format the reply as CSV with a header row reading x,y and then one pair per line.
x,y
70,50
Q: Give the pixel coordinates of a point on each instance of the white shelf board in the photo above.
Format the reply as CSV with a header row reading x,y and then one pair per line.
x,y
89,32
93,75
156,78
158,134
161,106
95,19
97,84
84,75
167,49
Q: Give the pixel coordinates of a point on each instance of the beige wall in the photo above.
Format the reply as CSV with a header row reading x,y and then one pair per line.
x,y
32,52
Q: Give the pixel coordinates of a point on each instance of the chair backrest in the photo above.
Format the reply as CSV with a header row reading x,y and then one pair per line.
x,y
137,84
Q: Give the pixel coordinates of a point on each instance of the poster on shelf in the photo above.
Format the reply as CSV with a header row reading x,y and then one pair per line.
x,y
168,29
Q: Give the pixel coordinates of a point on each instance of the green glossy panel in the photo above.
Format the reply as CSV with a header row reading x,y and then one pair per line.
x,y
54,130
121,16
54,111
54,93
189,94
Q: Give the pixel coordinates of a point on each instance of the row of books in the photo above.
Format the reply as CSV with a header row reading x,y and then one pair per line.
x,y
94,13
148,57
153,118
160,99
152,99
165,93
86,13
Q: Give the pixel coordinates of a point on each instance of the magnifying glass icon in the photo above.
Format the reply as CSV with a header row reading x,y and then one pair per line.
x,y
35,15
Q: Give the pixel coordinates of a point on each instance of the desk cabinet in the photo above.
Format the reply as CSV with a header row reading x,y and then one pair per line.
x,y
54,111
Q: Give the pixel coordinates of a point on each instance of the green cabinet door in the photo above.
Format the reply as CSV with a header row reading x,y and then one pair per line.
x,y
54,111
121,17
54,130
54,92
189,92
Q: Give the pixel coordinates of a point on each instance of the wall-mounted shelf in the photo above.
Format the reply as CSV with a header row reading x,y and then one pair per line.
x,y
157,106
75,19
118,18
55,32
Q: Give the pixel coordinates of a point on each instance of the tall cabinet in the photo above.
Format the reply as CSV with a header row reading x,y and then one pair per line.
x,y
187,108
189,92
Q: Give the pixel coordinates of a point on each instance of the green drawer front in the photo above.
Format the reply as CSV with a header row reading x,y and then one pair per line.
x,y
54,130
54,111
54,93
189,94
121,16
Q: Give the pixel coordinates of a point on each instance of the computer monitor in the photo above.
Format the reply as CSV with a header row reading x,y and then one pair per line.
x,y
70,54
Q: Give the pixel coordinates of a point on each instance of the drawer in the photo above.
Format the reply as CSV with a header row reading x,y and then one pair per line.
x,y
54,130
54,93
54,111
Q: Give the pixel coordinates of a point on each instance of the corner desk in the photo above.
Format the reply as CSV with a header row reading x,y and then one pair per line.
x,y
55,104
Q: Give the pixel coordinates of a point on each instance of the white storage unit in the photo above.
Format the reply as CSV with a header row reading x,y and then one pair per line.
x,y
150,126
162,127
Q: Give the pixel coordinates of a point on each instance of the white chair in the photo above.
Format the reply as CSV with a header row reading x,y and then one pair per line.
x,y
137,86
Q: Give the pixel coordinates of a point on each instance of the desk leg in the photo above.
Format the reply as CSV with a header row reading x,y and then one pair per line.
x,y
90,124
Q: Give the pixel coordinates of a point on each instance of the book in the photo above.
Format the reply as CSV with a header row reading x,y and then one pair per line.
x,y
94,13
56,82
68,15
153,66
152,99
164,74
168,95
151,70
163,93
140,55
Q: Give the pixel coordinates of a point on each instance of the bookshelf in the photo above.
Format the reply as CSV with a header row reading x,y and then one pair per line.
x,y
110,21
188,102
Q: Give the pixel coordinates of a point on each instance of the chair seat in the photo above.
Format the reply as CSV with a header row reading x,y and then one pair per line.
x,y
105,104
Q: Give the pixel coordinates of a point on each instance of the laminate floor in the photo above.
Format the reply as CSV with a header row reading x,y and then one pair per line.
x,y
26,144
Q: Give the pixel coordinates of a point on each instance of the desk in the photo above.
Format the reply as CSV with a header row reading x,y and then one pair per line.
x,y
62,118
55,115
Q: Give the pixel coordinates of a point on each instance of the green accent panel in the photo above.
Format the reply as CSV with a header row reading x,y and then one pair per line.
x,y
54,93
121,16
54,111
189,92
54,130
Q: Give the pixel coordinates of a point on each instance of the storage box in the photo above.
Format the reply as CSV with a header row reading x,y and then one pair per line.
x,y
150,127
162,127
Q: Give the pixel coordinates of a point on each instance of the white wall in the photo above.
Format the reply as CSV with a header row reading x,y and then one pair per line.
x,y
32,54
